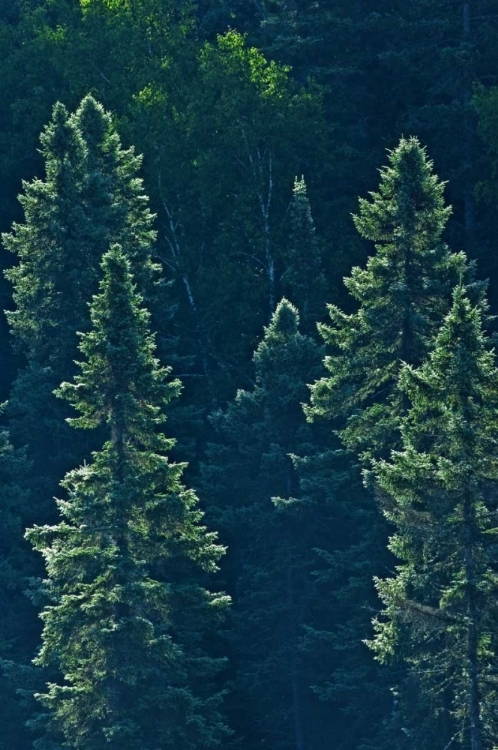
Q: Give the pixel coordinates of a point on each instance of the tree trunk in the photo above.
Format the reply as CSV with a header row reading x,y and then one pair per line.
x,y
297,703
295,671
468,136
472,629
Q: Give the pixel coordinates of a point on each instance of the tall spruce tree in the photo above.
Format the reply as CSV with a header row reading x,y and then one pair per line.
x,y
127,619
440,492
402,295
47,293
303,279
270,541
91,196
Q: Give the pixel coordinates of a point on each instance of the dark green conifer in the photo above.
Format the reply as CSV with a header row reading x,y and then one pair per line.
x,y
18,629
402,295
52,252
118,209
440,492
90,197
270,540
303,279
127,616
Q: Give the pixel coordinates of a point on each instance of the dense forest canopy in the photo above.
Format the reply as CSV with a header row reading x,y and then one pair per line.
x,y
248,440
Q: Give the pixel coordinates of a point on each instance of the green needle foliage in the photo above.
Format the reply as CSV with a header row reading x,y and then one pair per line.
x,y
90,197
18,629
402,296
303,278
53,253
440,492
127,613
352,689
270,563
117,207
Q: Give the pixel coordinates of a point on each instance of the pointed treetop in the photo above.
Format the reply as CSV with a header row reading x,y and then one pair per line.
x,y
61,139
103,141
119,353
301,217
285,359
284,322
463,324
300,189
302,277
409,193
460,360
93,119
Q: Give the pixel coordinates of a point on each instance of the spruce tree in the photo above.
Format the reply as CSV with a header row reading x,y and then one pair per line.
x,y
271,540
118,209
402,296
127,615
51,248
90,197
440,492
18,629
303,279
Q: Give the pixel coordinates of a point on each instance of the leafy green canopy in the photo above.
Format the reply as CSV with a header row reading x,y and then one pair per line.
x,y
402,295
127,615
439,491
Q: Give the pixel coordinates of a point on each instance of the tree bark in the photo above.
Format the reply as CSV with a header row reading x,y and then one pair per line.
x,y
295,671
472,629
468,136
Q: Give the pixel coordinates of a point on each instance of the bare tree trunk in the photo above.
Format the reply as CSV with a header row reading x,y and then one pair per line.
x,y
265,210
264,190
177,266
468,193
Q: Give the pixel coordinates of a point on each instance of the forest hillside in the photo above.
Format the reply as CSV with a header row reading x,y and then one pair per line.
x,y
248,384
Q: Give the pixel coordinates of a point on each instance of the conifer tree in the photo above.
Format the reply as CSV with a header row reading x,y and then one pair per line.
x,y
46,290
440,492
90,197
402,295
18,629
117,207
270,540
127,616
303,279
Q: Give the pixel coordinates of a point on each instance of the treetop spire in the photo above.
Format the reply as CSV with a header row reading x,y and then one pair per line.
x,y
284,322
